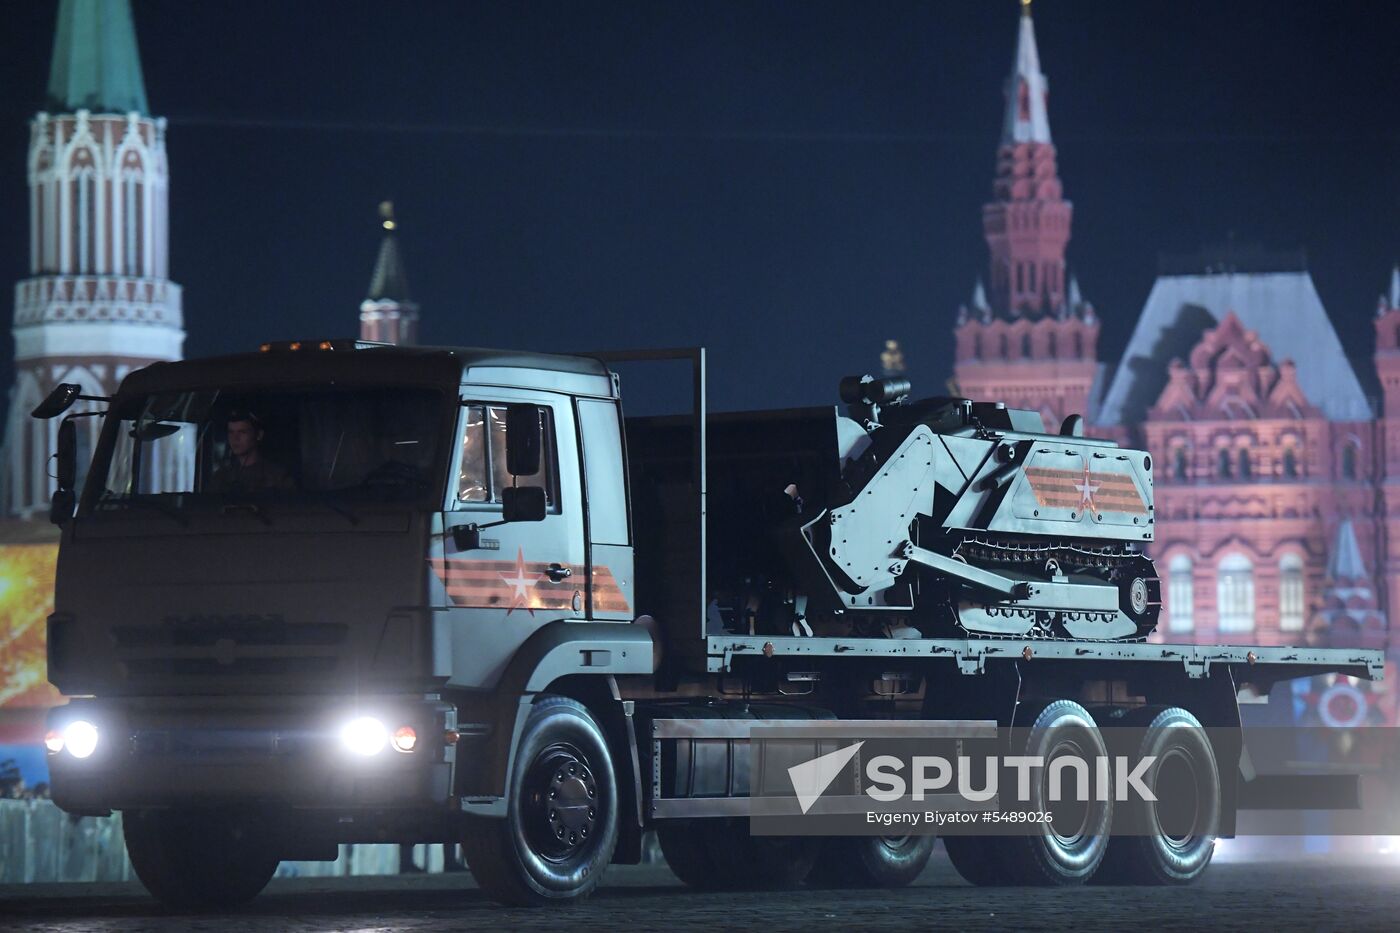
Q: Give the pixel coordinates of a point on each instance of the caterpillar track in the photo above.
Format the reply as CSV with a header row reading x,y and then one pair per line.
x,y
1122,567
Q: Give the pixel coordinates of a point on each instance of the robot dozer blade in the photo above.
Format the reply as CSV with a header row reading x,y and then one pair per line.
x,y
972,576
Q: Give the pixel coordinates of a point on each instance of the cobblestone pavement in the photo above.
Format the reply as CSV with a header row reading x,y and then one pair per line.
x,y
1313,893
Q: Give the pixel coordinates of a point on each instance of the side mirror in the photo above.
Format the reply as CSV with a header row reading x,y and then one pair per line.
x,y
66,454
58,401
523,504
522,440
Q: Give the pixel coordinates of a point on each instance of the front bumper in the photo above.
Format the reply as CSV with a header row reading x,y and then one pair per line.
x,y
287,752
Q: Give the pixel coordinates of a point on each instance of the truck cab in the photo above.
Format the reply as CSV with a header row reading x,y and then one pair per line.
x,y
286,640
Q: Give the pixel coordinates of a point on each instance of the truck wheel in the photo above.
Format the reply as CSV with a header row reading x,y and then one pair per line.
x,y
979,859
561,819
745,861
871,861
1164,841
1069,849
198,859
685,845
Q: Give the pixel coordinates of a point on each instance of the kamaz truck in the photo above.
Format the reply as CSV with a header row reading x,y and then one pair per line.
x,y
333,592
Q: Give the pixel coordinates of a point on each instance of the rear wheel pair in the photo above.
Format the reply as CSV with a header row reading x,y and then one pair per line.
x,y
1165,841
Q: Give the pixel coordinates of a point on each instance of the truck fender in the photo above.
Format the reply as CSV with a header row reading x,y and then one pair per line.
x,y
491,723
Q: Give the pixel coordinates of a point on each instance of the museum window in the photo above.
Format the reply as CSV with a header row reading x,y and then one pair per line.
x,y
1078,346
1181,595
1054,345
1246,466
1234,594
1026,345
1290,462
1349,460
1179,464
1222,463
1290,593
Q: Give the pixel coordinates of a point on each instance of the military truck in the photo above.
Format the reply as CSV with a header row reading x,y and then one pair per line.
x,y
334,592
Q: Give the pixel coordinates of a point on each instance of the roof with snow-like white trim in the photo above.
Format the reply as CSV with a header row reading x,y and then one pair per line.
x,y
1283,308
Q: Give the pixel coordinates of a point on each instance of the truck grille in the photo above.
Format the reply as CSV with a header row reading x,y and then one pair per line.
x,y
228,647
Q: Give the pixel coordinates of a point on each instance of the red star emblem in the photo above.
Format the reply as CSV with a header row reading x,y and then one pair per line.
x,y
521,583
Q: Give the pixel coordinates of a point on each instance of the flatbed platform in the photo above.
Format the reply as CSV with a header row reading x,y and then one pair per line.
x,y
971,654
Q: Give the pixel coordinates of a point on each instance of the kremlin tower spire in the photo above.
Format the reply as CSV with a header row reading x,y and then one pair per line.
x,y
1027,119
98,302
1032,338
1028,221
388,315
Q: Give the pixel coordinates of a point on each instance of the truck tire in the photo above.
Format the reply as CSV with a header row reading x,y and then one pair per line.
x,y
1069,849
1165,846
719,854
744,861
686,846
198,859
871,861
979,859
544,852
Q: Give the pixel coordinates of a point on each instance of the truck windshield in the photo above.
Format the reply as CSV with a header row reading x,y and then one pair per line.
x,y
181,450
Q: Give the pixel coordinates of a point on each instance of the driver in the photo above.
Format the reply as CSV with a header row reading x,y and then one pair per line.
x,y
246,470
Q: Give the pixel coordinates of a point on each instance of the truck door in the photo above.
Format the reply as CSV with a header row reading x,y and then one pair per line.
x,y
609,591
521,575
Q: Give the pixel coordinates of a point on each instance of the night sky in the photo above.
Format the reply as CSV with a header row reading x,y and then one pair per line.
x,y
787,183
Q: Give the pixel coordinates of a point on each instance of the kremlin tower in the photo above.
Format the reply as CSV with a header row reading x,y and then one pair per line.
x,y
388,315
98,301
1031,340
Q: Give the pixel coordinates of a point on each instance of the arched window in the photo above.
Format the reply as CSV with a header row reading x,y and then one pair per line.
x,y
1222,463
1003,347
1054,345
1234,593
977,346
1349,460
1290,593
1078,346
1026,345
1246,468
1290,462
1179,465
1181,595
1030,277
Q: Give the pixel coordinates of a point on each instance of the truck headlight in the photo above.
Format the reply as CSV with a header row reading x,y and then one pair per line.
x,y
80,738
365,736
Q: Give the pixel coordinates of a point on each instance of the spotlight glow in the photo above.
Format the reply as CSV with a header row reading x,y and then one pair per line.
x,y
80,738
365,736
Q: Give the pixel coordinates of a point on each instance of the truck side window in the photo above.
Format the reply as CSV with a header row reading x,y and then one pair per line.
x,y
500,478
604,469
471,480
483,473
